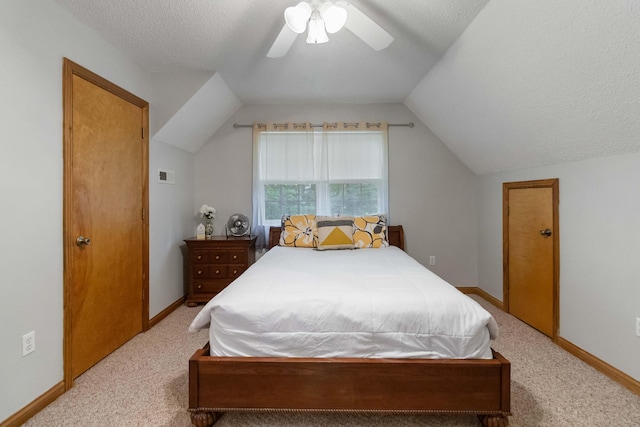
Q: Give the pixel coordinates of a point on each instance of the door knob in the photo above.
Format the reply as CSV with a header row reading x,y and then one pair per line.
x,y
81,240
545,232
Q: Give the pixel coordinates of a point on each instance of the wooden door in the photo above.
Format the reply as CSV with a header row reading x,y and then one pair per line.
x,y
531,253
105,201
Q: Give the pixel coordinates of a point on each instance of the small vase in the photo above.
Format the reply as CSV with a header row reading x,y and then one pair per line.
x,y
208,228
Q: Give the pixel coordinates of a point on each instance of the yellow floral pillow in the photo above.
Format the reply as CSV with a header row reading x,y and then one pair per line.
x,y
370,231
299,231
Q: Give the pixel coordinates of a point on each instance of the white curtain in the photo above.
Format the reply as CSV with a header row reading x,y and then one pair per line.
x,y
357,152
281,153
292,153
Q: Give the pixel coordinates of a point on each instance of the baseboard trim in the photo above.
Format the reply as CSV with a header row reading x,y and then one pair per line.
x,y
164,313
588,358
602,366
615,374
23,415
474,290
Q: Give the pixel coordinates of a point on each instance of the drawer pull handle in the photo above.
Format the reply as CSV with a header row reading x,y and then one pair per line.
x,y
199,286
235,272
235,257
199,271
217,256
199,256
217,271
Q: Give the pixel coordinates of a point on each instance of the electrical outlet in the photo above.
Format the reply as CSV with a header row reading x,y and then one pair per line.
x,y
28,343
638,327
432,260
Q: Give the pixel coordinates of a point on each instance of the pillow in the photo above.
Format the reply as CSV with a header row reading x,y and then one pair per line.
x,y
299,231
334,232
370,231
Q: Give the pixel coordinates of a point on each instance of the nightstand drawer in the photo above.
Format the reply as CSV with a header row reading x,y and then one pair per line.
x,y
209,257
234,271
211,264
237,257
209,271
209,286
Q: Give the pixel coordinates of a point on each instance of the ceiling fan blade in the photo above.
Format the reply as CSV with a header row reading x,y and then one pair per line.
x,y
283,42
365,28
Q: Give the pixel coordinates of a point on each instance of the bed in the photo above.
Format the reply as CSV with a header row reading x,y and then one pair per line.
x,y
223,379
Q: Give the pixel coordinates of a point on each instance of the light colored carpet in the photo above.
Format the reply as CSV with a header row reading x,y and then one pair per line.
x,y
144,383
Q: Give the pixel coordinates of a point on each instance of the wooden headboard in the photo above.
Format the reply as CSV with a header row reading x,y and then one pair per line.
x,y
395,234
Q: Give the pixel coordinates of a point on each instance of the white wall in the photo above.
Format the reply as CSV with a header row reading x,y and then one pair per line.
x,y
533,83
34,37
170,222
432,194
599,247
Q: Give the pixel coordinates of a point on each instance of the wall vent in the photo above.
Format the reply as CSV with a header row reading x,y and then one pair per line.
x,y
166,177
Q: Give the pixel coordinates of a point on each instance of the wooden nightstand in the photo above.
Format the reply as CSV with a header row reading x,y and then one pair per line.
x,y
214,263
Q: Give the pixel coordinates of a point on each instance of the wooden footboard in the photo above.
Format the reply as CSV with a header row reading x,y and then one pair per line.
x,y
221,384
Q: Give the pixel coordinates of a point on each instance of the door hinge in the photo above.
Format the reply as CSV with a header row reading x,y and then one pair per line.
x,y
143,214
142,133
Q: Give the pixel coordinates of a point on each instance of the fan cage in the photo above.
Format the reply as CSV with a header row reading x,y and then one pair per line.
x,y
237,230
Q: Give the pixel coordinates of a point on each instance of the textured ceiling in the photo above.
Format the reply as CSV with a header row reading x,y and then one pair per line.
x,y
232,37
505,84
533,83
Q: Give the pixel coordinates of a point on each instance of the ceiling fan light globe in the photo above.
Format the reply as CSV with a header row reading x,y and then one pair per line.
x,y
297,16
334,17
317,33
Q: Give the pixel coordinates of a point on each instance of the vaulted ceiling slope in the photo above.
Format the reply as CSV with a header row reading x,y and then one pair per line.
x,y
198,119
232,37
505,84
538,82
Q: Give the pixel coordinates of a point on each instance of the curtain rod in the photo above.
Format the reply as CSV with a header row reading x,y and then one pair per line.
x,y
410,124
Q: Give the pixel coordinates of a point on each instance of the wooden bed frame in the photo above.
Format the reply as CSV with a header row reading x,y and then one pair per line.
x,y
245,384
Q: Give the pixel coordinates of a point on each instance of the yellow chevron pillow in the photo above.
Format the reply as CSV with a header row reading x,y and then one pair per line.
x,y
299,231
370,231
335,232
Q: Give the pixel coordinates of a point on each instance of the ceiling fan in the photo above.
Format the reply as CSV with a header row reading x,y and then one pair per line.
x,y
322,17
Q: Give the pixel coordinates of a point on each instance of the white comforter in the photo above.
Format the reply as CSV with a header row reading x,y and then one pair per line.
x,y
378,303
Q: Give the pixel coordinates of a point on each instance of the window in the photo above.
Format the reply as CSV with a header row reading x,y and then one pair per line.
x,y
354,199
339,169
292,198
